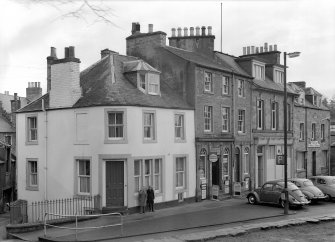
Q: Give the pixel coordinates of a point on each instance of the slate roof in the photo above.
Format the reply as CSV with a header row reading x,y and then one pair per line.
x,y
202,60
138,65
99,89
273,86
231,62
312,91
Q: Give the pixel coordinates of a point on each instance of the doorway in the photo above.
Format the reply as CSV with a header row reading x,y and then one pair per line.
x,y
237,166
314,163
114,183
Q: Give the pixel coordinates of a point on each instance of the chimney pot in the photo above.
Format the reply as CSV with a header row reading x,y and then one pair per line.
x,y
270,47
203,30
192,31
248,50
275,47
265,47
173,32
133,28
244,50
71,52
209,28
252,49
257,50
66,52
15,96
261,49
179,32
53,52
185,31
138,28
197,31
151,28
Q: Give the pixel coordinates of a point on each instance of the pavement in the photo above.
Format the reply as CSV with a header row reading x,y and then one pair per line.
x,y
188,222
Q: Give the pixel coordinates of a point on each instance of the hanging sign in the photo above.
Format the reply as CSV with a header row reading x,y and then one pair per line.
x,y
213,157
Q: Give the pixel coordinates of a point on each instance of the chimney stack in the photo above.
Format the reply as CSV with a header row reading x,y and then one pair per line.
x,y
270,47
151,28
257,50
265,47
133,28
50,60
71,52
275,47
34,91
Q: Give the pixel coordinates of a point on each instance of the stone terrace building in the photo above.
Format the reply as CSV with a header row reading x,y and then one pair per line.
x,y
267,99
217,90
311,133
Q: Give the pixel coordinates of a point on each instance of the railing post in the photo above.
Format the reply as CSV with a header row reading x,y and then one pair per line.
x,y
76,226
45,226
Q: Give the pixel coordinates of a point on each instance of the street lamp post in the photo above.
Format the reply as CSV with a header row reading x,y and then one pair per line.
x,y
290,55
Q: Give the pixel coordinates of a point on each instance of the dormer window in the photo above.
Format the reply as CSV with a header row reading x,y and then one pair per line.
x,y
259,71
148,83
142,81
279,77
316,100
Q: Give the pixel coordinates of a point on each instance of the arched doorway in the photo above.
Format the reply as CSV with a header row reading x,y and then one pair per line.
x,y
237,165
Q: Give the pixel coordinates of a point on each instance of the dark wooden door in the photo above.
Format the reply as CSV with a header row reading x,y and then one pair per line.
x,y
114,183
314,163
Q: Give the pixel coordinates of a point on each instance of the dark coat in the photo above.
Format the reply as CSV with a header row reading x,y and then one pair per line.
x,y
150,195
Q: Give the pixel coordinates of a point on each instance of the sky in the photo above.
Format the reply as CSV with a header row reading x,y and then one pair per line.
x,y
28,28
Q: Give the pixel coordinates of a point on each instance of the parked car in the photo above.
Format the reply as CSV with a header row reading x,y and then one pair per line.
x,y
307,187
326,184
273,192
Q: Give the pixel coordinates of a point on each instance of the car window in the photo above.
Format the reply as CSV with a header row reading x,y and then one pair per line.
x,y
321,181
308,183
267,187
277,188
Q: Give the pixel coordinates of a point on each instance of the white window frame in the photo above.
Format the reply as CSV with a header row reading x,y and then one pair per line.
x,y
151,126
241,88
143,176
83,176
260,114
302,131
259,71
180,172
116,140
179,127
208,82
142,83
274,115
29,173
30,129
208,118
313,131
241,121
225,85
279,76
225,113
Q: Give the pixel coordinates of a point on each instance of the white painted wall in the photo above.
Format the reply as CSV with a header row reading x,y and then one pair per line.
x,y
62,149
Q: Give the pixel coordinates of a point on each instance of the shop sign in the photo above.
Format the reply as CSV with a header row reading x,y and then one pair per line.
x,y
314,144
213,157
280,160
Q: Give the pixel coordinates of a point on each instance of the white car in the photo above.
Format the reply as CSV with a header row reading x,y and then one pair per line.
x,y
326,184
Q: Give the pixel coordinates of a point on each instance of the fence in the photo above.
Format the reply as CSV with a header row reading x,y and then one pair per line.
x,y
76,228
22,212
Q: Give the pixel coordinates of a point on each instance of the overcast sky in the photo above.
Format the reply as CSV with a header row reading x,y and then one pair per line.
x,y
28,30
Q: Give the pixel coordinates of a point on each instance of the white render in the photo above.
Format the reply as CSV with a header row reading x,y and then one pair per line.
x,y
60,143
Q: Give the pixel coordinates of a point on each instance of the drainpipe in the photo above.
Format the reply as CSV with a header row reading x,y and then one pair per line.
x,y
251,153
233,131
46,152
306,147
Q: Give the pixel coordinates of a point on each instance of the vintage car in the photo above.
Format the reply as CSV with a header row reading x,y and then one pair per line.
x,y
326,184
307,187
273,192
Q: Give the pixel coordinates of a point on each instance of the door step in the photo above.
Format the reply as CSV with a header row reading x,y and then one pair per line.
x,y
123,210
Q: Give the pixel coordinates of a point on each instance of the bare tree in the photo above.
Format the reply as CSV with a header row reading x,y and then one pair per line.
x,y
80,9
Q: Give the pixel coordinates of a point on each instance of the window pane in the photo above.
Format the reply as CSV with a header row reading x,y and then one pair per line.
x,y
147,167
157,170
137,167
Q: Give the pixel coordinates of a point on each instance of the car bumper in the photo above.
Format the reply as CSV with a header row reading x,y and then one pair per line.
x,y
319,198
297,203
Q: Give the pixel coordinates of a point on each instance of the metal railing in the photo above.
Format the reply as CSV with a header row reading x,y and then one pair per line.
x,y
76,228
22,212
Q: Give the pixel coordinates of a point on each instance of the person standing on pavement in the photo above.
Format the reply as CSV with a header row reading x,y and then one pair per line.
x,y
142,199
150,198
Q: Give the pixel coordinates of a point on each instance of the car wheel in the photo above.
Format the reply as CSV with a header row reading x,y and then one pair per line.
x,y
328,198
252,199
